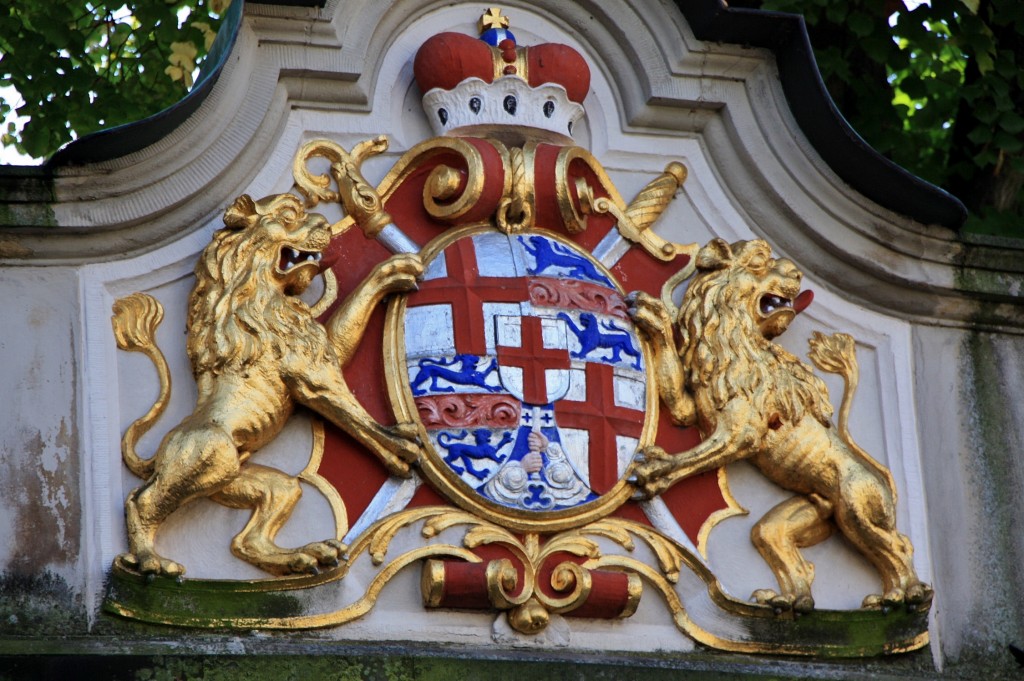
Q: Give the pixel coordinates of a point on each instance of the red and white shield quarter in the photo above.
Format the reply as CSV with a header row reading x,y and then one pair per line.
x,y
528,320
533,357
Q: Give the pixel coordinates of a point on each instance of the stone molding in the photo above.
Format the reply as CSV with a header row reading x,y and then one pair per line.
x,y
729,96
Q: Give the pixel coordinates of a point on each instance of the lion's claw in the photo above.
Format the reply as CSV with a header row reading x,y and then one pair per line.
x,y
409,446
653,464
920,596
917,596
151,565
649,314
784,603
400,272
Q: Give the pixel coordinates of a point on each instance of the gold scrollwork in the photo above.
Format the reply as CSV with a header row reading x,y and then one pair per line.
x,y
440,193
502,580
376,541
311,475
574,220
361,201
441,185
364,204
441,199
529,606
633,220
516,212
732,509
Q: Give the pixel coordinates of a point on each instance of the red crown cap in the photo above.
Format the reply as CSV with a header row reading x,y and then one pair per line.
x,y
447,59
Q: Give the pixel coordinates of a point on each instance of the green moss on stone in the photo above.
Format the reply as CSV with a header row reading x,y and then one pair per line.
x,y
26,198
41,604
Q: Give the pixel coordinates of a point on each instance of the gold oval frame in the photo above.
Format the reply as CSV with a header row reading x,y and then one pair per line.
x,y
441,476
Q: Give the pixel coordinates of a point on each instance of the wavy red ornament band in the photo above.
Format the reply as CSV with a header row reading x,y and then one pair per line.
x,y
465,411
580,295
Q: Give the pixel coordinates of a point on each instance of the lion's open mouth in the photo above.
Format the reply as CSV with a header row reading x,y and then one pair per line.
x,y
772,303
291,257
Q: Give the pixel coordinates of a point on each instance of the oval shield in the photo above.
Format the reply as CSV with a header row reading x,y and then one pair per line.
x,y
529,378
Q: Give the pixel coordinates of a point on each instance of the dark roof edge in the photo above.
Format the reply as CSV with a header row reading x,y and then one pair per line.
x,y
852,159
846,152
131,137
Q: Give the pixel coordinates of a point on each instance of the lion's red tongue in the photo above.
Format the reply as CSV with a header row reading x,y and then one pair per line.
x,y
803,300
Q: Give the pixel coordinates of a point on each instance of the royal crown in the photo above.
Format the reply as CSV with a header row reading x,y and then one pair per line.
x,y
491,80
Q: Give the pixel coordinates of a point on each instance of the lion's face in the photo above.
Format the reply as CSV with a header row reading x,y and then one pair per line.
x,y
768,287
283,236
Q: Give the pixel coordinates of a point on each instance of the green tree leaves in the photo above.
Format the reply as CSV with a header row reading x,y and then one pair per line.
x,y
950,107
81,66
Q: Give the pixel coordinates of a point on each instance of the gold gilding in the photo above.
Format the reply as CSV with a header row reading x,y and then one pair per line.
x,y
432,583
732,509
440,200
329,295
517,207
753,400
492,18
311,474
441,185
376,541
361,201
256,352
634,589
529,607
633,220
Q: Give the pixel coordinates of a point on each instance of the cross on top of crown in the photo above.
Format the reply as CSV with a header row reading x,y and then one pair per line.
x,y
492,18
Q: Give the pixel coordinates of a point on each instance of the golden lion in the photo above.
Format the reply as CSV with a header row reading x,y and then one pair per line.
x,y
256,352
753,400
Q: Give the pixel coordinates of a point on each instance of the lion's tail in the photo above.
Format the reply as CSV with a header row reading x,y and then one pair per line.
x,y
446,439
837,354
135,320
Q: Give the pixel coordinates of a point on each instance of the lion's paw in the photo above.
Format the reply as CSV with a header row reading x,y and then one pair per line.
x,y
653,464
772,598
917,596
299,563
307,560
401,272
151,564
327,553
408,445
783,603
893,598
649,314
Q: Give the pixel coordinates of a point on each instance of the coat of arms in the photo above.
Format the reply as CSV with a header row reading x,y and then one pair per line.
x,y
508,390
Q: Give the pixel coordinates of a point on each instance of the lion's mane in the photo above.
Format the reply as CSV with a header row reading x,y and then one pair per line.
x,y
728,356
238,312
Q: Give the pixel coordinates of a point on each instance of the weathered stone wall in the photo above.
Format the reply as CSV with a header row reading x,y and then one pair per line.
x,y
973,431
44,532
941,320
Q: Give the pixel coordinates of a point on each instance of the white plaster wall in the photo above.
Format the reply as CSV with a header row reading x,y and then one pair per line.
x,y
45,528
344,72
632,157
